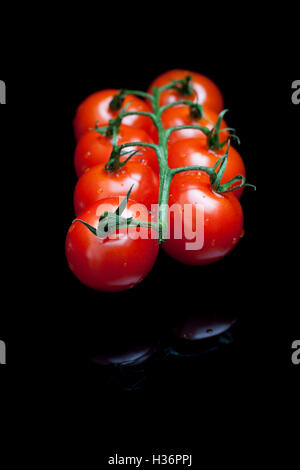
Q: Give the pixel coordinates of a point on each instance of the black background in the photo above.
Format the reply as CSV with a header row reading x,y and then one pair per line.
x,y
51,322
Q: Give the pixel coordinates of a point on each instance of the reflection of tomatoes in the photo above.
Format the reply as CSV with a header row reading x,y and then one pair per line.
x,y
193,152
95,109
94,148
98,183
180,116
207,92
117,262
132,356
205,325
215,219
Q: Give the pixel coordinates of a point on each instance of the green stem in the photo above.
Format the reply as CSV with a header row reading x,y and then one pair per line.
x,y
183,86
139,144
165,174
142,94
207,170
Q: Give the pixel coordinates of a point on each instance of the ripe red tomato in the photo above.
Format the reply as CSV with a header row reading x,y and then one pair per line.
x,y
220,221
207,92
98,183
95,108
180,116
117,262
94,148
193,152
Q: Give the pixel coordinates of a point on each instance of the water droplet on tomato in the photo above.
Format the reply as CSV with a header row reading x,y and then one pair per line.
x,y
242,234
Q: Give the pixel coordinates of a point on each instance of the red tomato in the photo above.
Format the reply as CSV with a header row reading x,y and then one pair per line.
x,y
220,221
93,149
98,183
117,262
193,152
180,116
207,92
95,108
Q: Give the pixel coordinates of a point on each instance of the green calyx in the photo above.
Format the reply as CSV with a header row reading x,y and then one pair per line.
x,y
196,111
111,221
117,101
218,173
184,87
114,163
213,136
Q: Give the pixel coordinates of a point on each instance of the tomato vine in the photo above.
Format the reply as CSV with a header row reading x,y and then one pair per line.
x,y
110,221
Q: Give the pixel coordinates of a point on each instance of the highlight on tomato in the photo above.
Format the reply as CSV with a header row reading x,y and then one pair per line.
x,y
211,222
96,108
189,152
117,262
206,91
94,148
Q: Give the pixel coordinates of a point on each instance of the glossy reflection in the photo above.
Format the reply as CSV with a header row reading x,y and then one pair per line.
x,y
204,326
132,356
203,335
119,339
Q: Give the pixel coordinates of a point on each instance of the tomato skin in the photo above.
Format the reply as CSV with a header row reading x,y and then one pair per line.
x,y
207,92
94,148
223,220
109,264
95,108
98,183
180,116
193,152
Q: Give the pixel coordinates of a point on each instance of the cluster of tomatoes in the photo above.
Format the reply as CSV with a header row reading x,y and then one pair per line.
x,y
121,261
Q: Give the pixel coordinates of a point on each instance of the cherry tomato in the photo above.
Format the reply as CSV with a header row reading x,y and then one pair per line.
x,y
98,183
118,262
219,226
193,152
95,109
94,148
207,92
180,116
